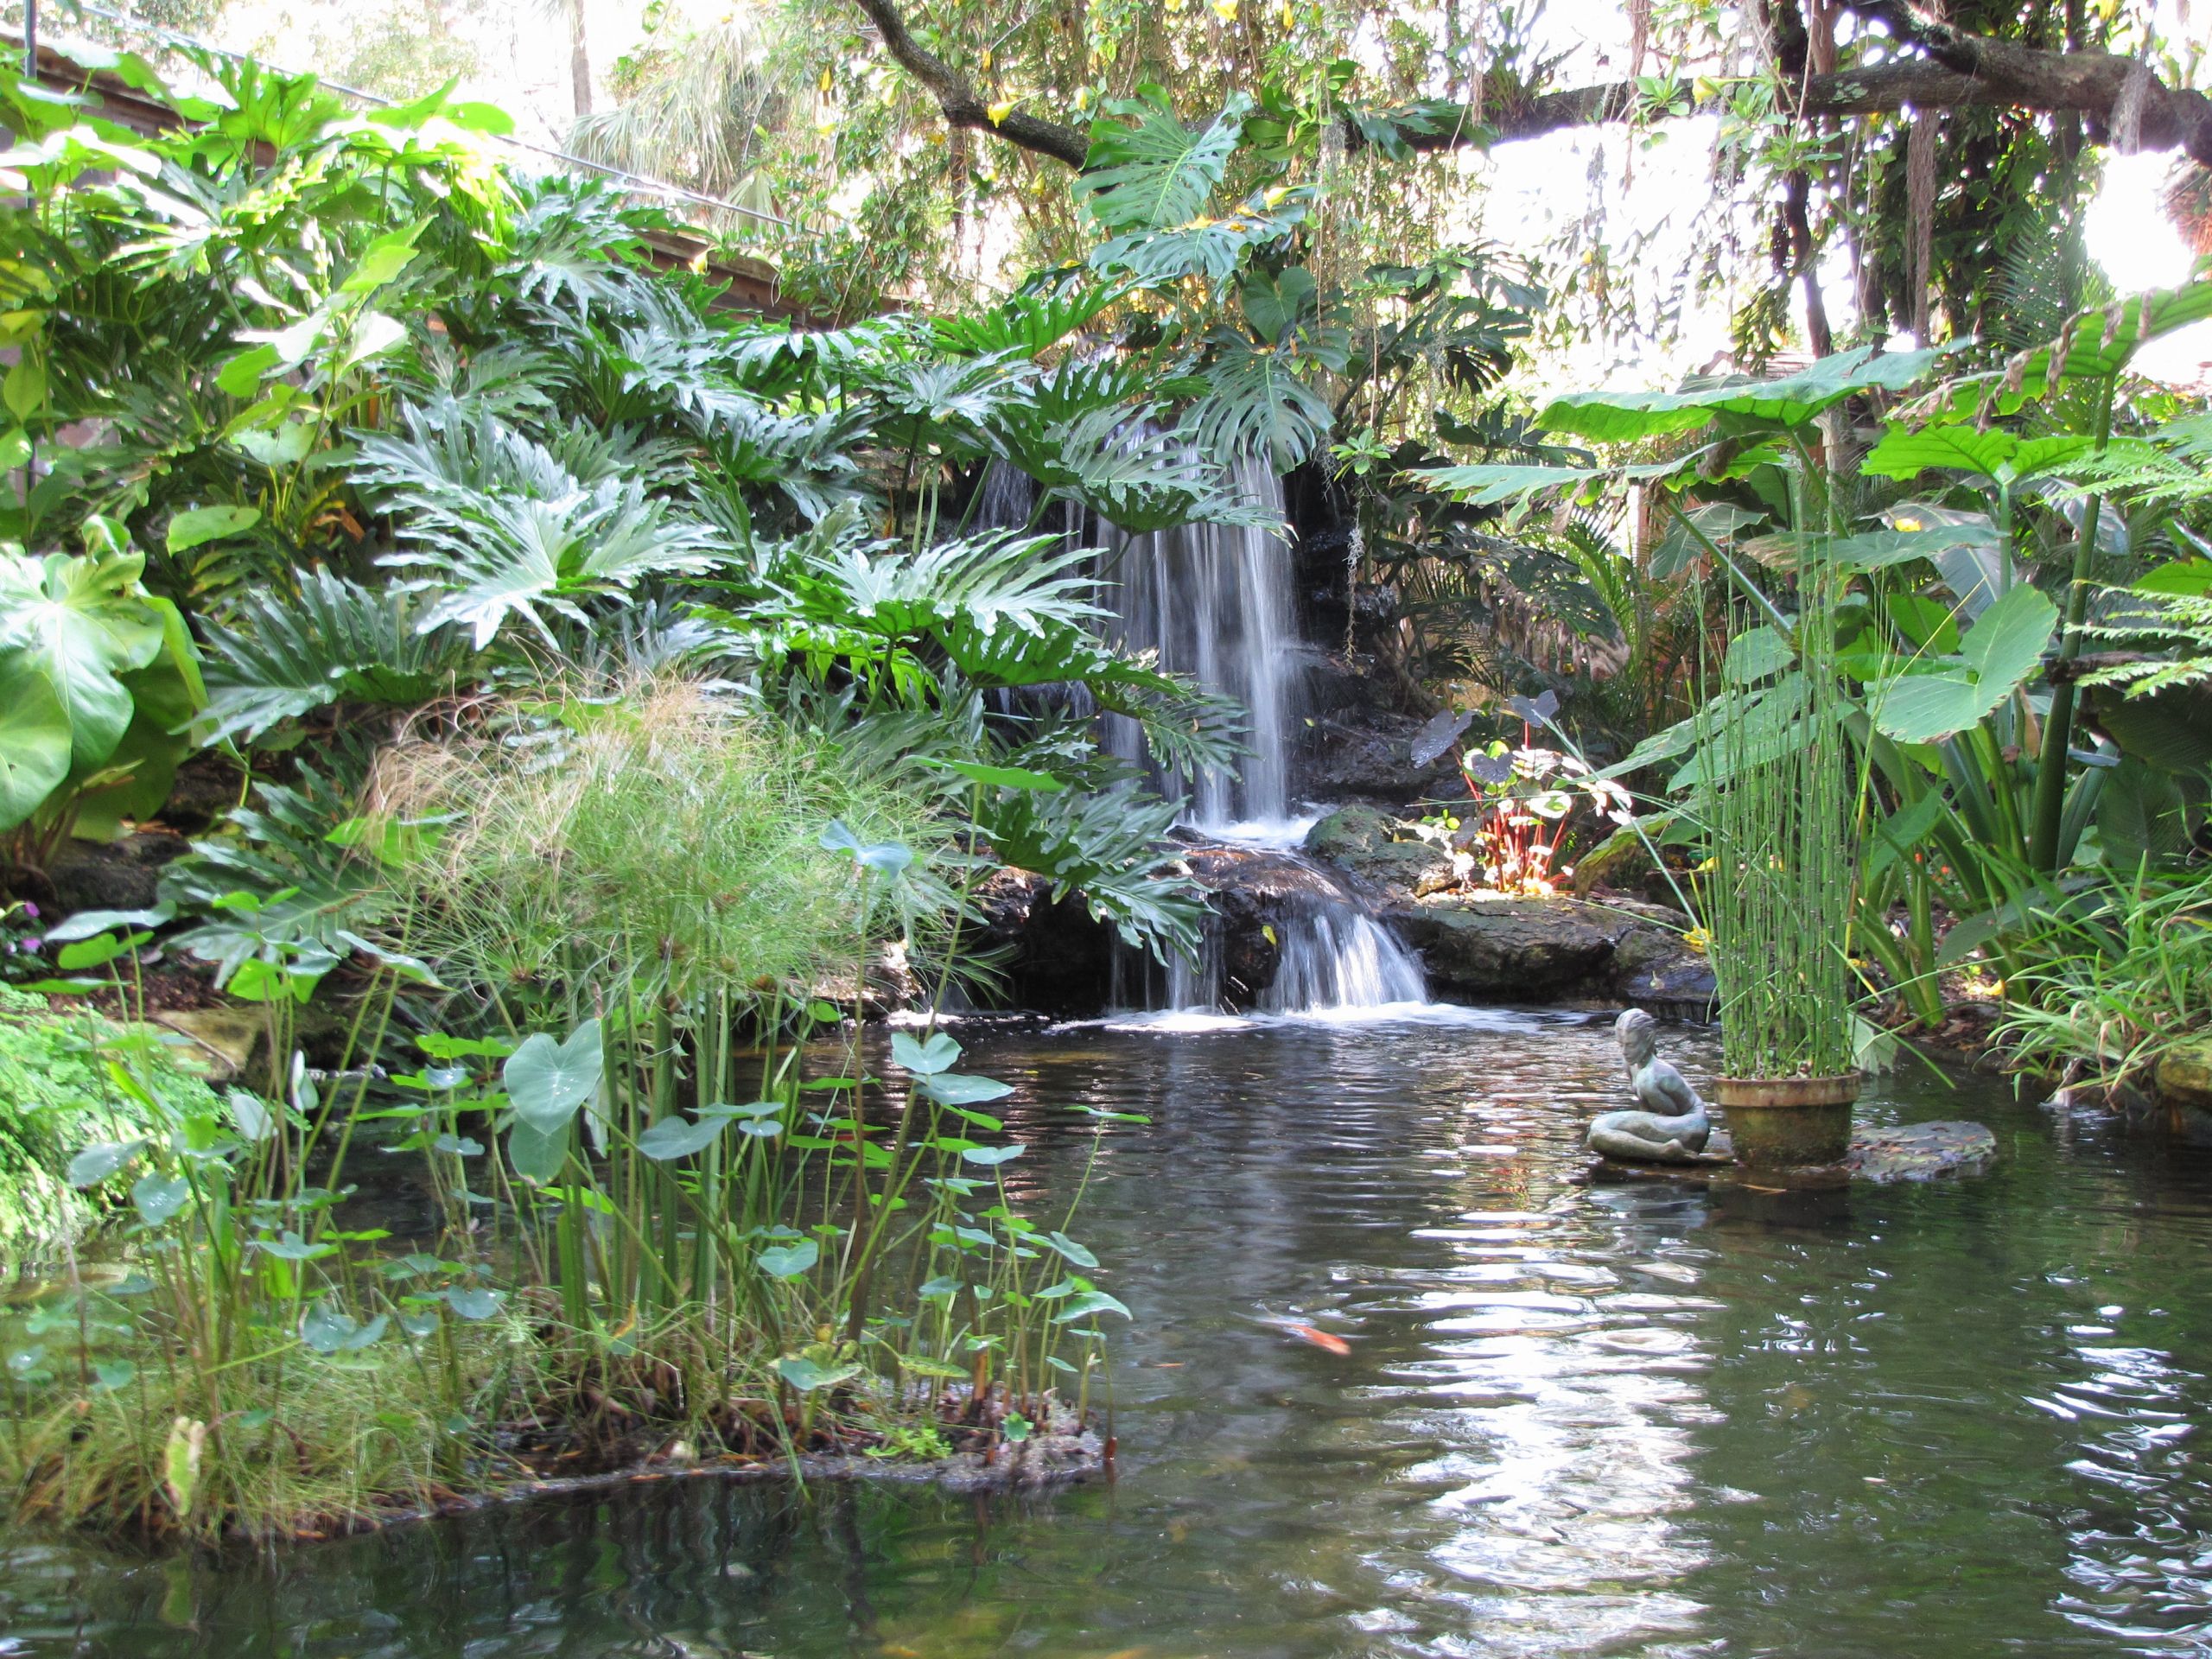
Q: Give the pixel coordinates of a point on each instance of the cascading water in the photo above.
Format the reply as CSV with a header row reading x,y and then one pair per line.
x,y
1214,603
1213,600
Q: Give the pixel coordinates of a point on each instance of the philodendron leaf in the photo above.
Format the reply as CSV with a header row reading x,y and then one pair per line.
x,y
549,1081
1996,655
33,740
1147,171
676,1137
1004,776
80,623
925,1059
201,525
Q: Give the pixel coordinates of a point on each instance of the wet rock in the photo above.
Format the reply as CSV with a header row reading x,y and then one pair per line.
x,y
123,875
1255,893
1053,954
1363,841
1653,969
224,1044
1920,1152
1519,950
1881,1156
1367,754
208,786
1490,947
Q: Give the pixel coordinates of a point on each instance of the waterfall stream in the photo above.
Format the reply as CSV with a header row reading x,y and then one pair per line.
x,y
1215,602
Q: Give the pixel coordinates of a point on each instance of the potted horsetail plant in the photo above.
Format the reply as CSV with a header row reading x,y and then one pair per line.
x,y
1777,899
1767,771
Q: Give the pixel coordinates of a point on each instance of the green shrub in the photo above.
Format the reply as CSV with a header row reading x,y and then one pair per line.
x,y
663,838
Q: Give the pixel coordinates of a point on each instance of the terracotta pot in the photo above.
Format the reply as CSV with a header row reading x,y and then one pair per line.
x,y
1782,1122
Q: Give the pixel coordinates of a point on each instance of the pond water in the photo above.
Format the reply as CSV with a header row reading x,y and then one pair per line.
x,y
1954,1420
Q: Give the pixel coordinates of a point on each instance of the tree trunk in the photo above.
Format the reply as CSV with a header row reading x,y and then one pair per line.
x,y
578,60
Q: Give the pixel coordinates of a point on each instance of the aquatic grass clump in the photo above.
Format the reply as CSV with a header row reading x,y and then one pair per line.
x,y
659,833
2115,978
130,1435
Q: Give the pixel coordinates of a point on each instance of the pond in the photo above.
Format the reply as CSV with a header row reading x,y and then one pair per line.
x,y
1952,1419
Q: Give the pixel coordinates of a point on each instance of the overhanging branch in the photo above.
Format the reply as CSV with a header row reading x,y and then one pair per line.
x,y
2121,101
957,97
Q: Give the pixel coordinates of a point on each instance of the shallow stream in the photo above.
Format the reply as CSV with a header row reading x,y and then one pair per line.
x,y
1955,1420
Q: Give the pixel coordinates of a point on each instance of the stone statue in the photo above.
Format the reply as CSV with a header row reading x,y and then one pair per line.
x,y
1672,1128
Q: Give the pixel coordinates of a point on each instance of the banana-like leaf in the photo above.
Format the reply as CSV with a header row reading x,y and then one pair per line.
x,y
1792,401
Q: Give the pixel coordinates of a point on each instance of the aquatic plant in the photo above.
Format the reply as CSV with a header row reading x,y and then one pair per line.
x,y
2116,974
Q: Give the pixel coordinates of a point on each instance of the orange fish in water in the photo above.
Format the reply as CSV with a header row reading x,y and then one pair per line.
x,y
1324,1340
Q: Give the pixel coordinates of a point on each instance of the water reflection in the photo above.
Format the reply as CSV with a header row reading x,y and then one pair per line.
x,y
1946,1421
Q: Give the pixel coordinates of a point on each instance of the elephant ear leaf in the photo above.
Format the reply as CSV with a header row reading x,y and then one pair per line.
x,y
81,624
549,1081
1997,656
33,740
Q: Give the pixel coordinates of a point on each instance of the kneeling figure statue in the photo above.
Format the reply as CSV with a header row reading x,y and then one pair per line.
x,y
1672,1128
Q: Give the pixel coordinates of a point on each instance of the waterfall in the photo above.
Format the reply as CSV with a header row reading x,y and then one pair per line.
x,y
1214,601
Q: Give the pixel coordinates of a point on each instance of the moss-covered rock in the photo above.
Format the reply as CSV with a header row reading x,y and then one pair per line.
x,y
1363,842
2185,1073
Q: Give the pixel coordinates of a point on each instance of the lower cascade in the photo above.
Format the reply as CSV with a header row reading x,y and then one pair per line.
x,y
1338,956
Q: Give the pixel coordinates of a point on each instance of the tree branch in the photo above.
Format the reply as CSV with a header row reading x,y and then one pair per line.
x,y
2096,85
2121,100
962,106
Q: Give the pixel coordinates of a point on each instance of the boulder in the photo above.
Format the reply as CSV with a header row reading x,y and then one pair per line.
x,y
1053,954
1367,754
1653,969
1363,841
1521,949
121,875
1552,950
